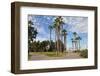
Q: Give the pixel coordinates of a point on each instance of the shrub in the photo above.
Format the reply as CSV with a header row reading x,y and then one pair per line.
x,y
84,53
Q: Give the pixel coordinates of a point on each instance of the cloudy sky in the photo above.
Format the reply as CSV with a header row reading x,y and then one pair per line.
x,y
72,24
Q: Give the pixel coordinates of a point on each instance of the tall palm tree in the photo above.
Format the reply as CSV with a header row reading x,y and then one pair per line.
x,y
62,24
64,33
75,34
75,41
55,30
57,27
58,23
78,40
58,33
50,27
72,43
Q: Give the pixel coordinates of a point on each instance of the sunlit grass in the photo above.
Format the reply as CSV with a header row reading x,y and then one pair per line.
x,y
50,54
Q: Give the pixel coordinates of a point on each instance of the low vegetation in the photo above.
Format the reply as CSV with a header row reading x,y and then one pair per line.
x,y
49,54
84,53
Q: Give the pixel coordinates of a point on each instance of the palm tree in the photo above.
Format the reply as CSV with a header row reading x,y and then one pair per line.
x,y
62,24
64,33
78,39
75,34
57,25
72,43
75,41
50,27
55,30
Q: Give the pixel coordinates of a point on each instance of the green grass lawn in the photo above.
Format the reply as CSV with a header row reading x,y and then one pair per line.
x,y
50,54
82,53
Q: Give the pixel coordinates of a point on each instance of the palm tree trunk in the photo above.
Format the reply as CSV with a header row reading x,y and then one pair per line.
x,y
61,39
57,41
75,45
79,45
50,39
64,42
72,45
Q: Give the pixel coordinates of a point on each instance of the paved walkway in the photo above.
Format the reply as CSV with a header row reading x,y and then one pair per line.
x,y
44,57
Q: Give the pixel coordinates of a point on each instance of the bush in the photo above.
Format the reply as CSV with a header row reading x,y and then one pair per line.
x,y
76,51
84,53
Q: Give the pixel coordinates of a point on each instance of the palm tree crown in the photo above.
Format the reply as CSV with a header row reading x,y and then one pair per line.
x,y
64,32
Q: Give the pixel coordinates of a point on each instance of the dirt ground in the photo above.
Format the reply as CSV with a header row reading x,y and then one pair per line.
x,y
69,55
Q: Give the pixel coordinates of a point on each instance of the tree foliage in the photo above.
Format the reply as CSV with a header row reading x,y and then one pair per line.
x,y
32,34
42,46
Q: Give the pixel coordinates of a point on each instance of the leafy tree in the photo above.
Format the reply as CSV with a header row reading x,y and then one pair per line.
x,y
32,33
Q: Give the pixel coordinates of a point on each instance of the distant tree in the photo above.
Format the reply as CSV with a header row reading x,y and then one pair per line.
x,y
44,44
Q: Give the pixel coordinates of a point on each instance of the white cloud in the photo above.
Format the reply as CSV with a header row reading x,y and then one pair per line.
x,y
41,30
77,24
41,38
42,34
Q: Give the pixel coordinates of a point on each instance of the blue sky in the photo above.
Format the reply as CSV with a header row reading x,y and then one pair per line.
x,y
72,24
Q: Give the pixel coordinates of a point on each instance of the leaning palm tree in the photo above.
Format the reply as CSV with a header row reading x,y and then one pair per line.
x,y
50,27
64,33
